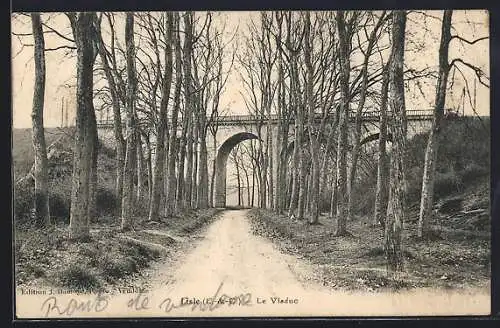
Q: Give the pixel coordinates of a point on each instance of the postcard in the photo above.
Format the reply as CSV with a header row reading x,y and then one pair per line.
x,y
251,164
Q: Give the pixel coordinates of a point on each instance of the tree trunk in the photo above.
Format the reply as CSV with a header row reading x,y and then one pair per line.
x,y
203,172
342,141
294,197
280,166
84,138
188,180
159,160
397,193
313,140
92,210
381,194
270,178
333,196
194,177
283,127
236,163
361,103
41,167
282,189
185,162
117,121
262,166
253,187
214,165
140,170
172,148
427,197
245,171
149,167
128,173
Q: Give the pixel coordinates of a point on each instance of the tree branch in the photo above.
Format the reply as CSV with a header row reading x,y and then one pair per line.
x,y
467,41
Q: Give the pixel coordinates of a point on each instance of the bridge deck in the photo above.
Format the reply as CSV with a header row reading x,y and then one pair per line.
x,y
412,115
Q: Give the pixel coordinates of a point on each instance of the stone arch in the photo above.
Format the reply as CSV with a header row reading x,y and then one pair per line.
x,y
221,164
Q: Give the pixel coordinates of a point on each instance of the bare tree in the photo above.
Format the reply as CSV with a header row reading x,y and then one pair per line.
x,y
162,126
381,194
235,158
396,209
172,150
108,62
185,160
128,172
82,26
431,151
372,39
41,170
344,28
313,141
283,121
293,42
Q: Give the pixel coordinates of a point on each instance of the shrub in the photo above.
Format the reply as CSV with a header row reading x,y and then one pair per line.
x,y
141,206
34,271
117,268
23,201
105,150
364,199
77,277
473,171
106,202
139,253
59,207
324,201
446,183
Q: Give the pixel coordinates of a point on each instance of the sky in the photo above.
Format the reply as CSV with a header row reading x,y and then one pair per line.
x,y
61,67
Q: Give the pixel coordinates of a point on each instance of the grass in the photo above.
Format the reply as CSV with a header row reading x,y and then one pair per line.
x,y
77,277
49,258
107,258
458,256
22,147
358,262
463,157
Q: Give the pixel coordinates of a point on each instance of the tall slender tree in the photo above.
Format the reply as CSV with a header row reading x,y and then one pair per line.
x,y
162,124
82,26
185,160
431,151
189,103
341,183
41,169
396,209
355,154
381,194
114,91
313,141
172,149
128,172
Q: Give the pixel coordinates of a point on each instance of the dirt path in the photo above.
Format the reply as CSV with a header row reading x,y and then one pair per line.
x,y
230,260
247,275
231,255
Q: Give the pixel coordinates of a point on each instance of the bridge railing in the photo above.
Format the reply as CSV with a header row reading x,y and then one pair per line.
x,y
411,114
